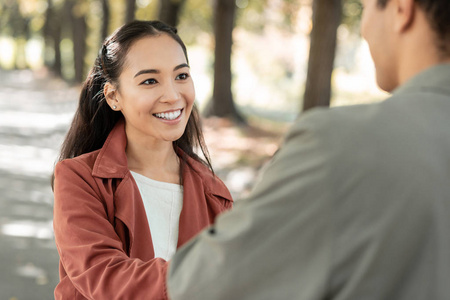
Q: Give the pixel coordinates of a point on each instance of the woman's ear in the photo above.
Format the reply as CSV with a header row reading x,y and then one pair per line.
x,y
110,93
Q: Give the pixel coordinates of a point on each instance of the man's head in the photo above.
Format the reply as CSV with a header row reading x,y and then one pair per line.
x,y
405,37
438,16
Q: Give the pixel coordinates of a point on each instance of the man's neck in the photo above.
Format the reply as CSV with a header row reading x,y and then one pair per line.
x,y
418,49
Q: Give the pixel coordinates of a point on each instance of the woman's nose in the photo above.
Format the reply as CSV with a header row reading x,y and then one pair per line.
x,y
170,93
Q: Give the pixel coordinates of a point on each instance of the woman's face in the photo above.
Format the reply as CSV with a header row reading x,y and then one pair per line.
x,y
156,92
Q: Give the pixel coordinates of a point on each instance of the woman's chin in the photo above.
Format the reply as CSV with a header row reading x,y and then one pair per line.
x,y
173,138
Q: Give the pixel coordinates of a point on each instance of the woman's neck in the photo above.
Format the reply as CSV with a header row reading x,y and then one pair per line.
x,y
156,160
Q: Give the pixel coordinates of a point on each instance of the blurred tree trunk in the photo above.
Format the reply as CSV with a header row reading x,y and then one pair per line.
x,y
52,38
222,104
49,13
130,11
20,32
3,17
21,44
105,20
57,63
326,20
169,11
79,35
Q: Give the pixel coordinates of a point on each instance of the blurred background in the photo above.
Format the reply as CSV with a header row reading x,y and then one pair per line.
x,y
256,64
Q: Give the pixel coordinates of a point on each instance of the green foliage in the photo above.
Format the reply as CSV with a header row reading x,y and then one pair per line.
x,y
196,20
22,18
250,15
26,18
289,10
147,9
351,14
94,15
13,23
117,14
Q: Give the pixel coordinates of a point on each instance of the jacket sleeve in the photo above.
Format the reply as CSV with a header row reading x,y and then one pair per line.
x,y
91,253
276,244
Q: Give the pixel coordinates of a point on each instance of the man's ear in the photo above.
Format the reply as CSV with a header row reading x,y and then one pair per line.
x,y
110,93
404,14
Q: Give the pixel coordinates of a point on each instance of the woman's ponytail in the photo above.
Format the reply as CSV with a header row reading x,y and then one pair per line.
x,y
93,119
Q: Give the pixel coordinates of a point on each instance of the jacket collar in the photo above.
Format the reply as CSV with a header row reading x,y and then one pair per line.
x,y
435,78
112,161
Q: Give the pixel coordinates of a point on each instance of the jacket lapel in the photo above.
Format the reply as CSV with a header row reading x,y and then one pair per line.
x,y
199,187
112,161
112,164
130,210
194,214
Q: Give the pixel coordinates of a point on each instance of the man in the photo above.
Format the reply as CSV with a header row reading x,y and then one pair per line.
x,y
356,204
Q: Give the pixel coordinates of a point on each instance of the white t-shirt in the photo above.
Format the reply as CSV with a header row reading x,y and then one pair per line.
x,y
163,202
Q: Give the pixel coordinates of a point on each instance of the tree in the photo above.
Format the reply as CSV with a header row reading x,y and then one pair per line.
x,y
169,11
222,104
326,20
130,11
77,15
105,20
16,25
52,37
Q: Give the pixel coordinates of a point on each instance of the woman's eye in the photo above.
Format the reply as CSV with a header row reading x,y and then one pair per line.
x,y
183,76
149,81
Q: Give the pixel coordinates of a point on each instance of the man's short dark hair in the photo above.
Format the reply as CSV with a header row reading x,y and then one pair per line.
x,y
438,14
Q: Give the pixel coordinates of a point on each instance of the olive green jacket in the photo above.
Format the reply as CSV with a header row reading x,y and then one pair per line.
x,y
355,205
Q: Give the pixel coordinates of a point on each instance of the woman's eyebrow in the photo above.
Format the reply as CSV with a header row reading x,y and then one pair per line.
x,y
154,71
147,71
181,66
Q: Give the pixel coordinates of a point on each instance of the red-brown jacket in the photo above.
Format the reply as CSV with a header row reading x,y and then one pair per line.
x,y
101,228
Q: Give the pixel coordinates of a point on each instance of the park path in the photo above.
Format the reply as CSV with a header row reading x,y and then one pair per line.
x,y
34,114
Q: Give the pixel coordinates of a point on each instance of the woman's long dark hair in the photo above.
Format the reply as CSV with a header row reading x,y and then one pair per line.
x,y
94,119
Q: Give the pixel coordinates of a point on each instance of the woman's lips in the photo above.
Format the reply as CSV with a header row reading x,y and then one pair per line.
x,y
170,115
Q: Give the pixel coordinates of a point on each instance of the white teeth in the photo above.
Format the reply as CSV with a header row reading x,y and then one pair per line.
x,y
169,116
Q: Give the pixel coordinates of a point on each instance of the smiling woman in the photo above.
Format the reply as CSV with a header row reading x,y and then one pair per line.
x,y
129,188
155,86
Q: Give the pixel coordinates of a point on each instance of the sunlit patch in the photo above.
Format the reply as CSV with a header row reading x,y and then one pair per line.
x,y
242,3
7,54
28,228
43,121
30,160
241,179
33,50
31,271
